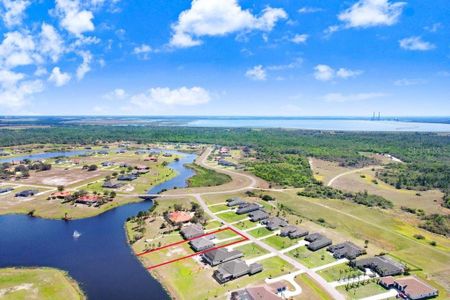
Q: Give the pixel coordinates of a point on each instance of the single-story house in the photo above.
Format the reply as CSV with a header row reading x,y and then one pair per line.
x,y
191,231
226,163
6,190
178,217
235,201
112,185
317,241
246,208
293,232
255,293
127,177
103,152
141,167
26,193
274,223
382,265
201,244
107,164
61,195
89,199
347,250
410,286
235,269
258,215
221,255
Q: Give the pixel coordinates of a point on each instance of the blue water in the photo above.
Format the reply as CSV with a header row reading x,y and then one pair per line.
x,y
45,155
100,259
322,124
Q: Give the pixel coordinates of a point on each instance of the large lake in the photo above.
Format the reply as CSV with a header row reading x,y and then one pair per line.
x,y
100,259
321,124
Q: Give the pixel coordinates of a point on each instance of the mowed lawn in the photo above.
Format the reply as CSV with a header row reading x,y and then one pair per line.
x,y
38,283
280,243
247,224
219,207
311,259
251,250
362,291
260,232
310,289
338,272
231,216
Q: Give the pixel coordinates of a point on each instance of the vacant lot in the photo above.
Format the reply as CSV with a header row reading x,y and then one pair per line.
x,y
430,201
59,176
39,283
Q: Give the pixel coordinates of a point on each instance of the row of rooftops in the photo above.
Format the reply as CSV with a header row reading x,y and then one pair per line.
x,y
230,264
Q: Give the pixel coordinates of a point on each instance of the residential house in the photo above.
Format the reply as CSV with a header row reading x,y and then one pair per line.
x,y
382,265
201,244
346,250
226,163
90,200
111,185
235,201
127,177
178,217
235,269
6,190
258,215
410,287
26,193
247,208
191,231
221,255
293,232
317,241
275,223
60,195
255,293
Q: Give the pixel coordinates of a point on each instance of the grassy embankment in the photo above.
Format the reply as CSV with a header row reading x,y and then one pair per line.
x,y
38,283
206,177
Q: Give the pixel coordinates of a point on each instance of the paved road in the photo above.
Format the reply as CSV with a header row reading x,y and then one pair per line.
x,y
251,185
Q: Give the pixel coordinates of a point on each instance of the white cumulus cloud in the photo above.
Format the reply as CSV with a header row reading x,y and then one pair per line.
x,y
256,73
219,18
117,94
369,13
12,11
171,97
73,18
51,44
415,43
85,65
327,73
299,38
59,78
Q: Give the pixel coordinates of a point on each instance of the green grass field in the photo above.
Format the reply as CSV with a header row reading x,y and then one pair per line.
x,y
206,177
362,291
311,259
338,272
279,242
260,232
231,216
251,250
39,283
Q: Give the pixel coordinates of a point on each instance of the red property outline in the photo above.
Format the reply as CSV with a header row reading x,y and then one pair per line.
x,y
244,238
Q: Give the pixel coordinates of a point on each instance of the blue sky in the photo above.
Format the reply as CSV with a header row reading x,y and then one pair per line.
x,y
225,57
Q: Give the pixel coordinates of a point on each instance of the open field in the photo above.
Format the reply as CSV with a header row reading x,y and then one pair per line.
x,y
206,177
39,283
429,201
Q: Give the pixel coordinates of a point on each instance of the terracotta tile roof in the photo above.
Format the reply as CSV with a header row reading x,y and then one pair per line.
x,y
180,216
